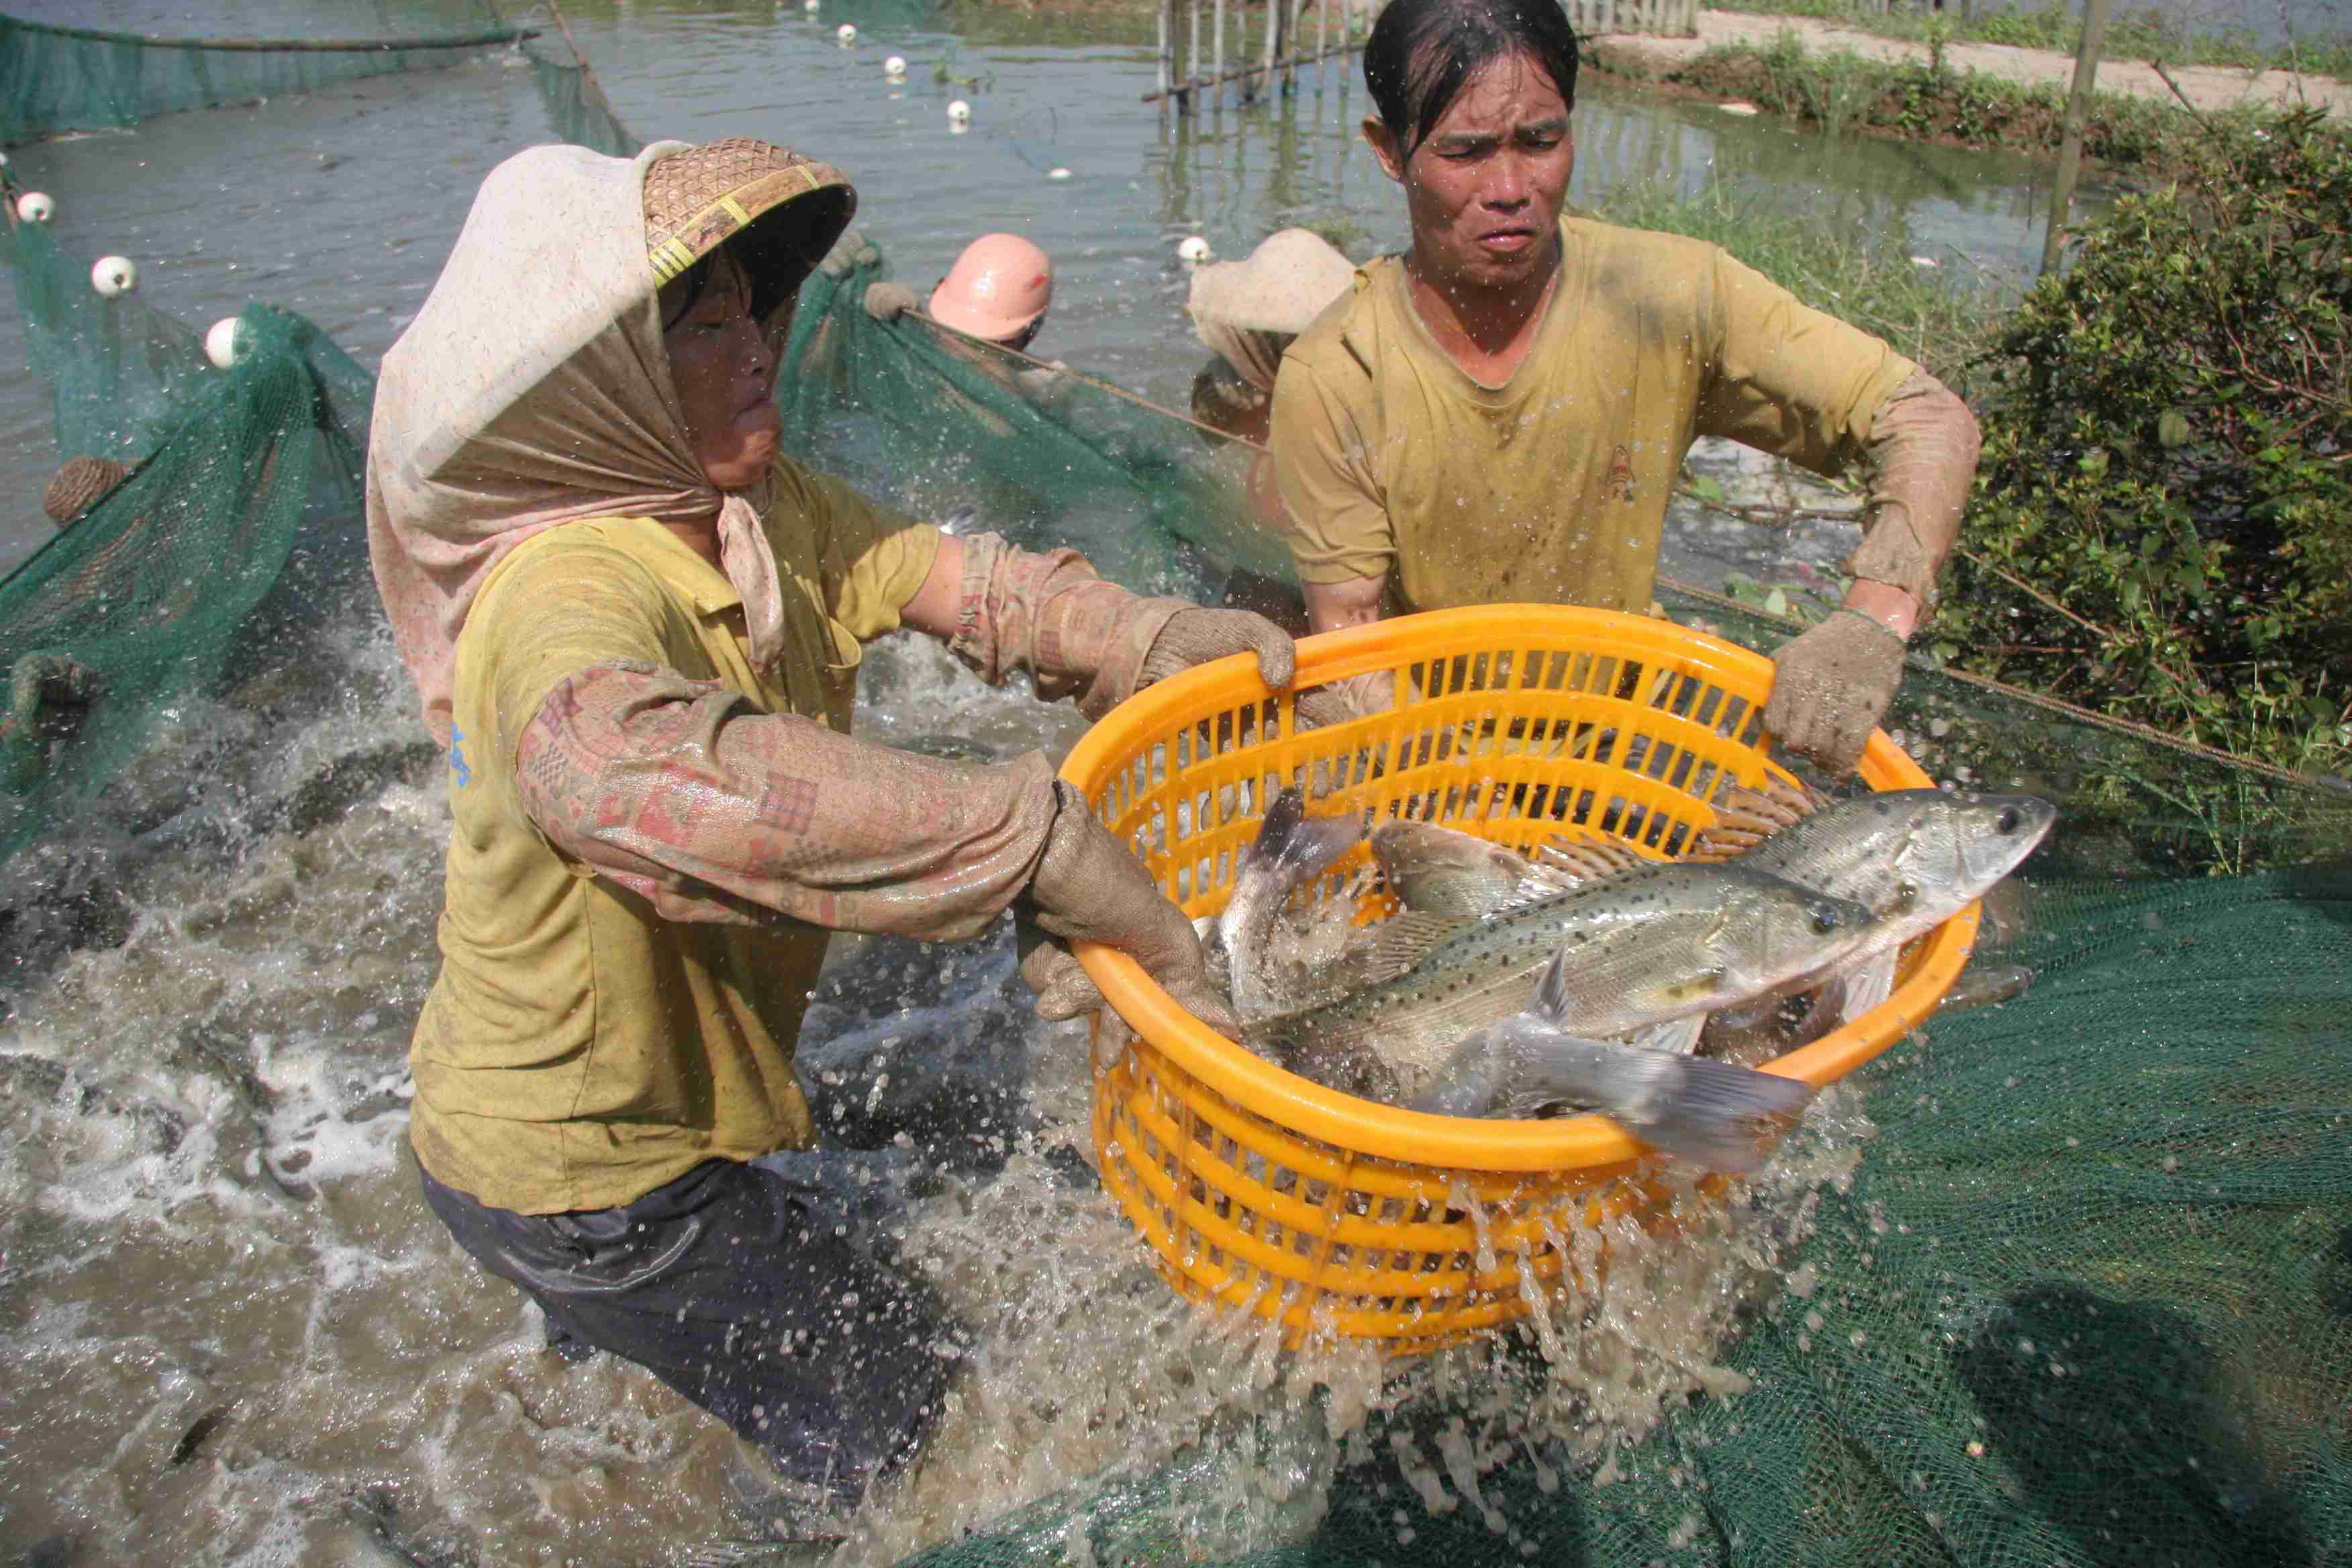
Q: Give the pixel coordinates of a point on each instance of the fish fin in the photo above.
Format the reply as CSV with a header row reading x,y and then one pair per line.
x,y
1589,855
1406,941
1472,1080
1868,986
1677,1037
1714,1115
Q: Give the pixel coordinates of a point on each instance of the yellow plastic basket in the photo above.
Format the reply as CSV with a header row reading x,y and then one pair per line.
x,y
1339,1216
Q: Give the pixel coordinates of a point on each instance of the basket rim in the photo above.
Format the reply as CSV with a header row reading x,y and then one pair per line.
x,y
1367,1127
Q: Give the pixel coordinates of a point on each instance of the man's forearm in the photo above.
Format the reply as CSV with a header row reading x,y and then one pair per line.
x,y
1922,457
683,793
1356,601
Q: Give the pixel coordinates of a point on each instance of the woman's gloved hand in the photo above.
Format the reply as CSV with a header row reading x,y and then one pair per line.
x,y
1087,887
1833,685
888,302
1197,637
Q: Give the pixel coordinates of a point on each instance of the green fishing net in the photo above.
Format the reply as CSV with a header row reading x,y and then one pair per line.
x,y
247,485
79,79
2086,1297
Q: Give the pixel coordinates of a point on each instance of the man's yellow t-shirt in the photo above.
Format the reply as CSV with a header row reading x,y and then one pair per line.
x,y
577,1050
1552,487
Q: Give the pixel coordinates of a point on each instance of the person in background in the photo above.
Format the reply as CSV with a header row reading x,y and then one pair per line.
x,y
1500,412
997,292
1248,313
635,623
77,486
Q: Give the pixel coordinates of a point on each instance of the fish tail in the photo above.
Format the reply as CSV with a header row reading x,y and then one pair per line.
x,y
1711,1113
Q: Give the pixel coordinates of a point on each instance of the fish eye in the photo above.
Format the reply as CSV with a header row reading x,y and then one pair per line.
x,y
1906,895
2006,822
1825,920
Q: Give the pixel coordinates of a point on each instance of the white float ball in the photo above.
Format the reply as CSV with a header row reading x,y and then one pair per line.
x,y
845,33
809,5
114,274
3,160
34,206
227,341
959,112
1193,248
895,66
1057,172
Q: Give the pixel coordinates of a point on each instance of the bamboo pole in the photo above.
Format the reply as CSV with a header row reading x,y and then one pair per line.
x,y
1322,41
1248,70
2070,146
1162,53
1217,57
1193,57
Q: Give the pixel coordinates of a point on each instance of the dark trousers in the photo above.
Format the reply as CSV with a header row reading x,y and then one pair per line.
x,y
746,1288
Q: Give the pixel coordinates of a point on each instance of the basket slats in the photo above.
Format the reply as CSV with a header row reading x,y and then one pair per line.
x,y
1331,1215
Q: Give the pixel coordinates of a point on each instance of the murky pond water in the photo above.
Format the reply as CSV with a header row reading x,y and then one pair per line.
x,y
233,1333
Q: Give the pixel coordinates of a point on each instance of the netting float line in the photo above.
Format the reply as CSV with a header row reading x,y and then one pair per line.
x,y
57,77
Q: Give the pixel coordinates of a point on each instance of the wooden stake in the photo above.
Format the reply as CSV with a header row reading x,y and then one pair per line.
x,y
2070,146
1217,57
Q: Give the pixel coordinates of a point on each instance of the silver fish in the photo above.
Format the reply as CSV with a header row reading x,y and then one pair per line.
x,y
1717,1115
1291,850
1440,871
1914,857
1661,942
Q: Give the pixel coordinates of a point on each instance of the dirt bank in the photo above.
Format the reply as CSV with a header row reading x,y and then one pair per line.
x,y
2208,87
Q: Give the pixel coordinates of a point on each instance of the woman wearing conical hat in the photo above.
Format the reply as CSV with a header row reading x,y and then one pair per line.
x,y
635,624
1500,412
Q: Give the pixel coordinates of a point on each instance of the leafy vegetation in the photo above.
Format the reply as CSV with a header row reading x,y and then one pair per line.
x,y
2162,526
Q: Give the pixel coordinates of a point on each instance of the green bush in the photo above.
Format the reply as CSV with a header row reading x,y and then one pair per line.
x,y
2162,526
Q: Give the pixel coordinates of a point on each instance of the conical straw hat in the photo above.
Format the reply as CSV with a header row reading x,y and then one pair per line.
x,y
786,208
1248,311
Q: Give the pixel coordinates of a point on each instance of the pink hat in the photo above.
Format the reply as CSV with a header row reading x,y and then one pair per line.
x,y
997,288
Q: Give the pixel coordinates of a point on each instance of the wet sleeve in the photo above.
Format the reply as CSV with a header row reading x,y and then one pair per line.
x,y
1338,520
872,560
685,794
1788,379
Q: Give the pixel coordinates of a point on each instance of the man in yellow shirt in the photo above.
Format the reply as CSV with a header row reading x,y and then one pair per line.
x,y
1500,412
636,624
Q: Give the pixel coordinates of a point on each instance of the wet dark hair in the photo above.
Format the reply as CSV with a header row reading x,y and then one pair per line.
x,y
1423,51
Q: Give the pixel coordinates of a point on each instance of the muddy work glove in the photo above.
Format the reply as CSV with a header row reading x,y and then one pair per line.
x,y
1833,685
888,302
1201,637
1089,887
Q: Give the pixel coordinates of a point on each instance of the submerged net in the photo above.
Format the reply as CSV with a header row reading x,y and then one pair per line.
x,y
249,485
80,79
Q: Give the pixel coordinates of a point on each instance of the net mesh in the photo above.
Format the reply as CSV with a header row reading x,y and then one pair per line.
x,y
2088,1297
248,481
80,79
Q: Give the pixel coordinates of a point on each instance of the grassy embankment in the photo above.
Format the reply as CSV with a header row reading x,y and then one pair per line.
x,y
1921,101
2141,36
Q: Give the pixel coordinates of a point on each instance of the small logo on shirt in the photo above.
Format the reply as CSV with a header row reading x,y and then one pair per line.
x,y
1621,473
458,757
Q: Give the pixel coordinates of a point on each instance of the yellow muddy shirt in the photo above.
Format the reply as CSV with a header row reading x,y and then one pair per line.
x,y
577,1050
1552,487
